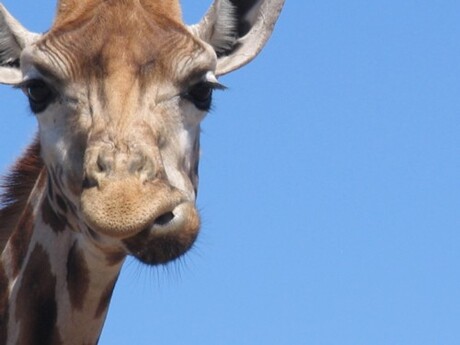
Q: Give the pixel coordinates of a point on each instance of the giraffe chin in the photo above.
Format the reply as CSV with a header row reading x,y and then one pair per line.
x,y
166,241
124,208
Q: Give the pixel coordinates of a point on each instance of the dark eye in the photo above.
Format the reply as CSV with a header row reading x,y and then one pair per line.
x,y
201,95
40,95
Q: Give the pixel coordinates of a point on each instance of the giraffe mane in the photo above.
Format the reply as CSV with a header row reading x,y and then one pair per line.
x,y
16,187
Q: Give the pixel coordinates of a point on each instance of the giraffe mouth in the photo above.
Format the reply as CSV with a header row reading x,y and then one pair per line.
x,y
155,222
171,235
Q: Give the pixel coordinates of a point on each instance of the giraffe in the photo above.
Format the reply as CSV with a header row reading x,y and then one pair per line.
x,y
119,89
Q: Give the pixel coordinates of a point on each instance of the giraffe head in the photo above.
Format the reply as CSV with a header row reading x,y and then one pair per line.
x,y
119,89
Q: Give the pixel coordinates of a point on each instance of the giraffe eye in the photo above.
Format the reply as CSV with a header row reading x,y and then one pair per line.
x,y
39,94
200,95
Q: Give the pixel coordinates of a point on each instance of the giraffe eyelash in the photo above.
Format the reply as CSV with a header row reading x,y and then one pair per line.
x,y
212,81
200,94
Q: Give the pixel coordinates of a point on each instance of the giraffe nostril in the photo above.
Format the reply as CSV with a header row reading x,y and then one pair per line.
x,y
164,219
137,164
103,164
89,183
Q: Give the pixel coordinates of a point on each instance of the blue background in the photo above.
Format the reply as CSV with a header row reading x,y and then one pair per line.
x,y
330,187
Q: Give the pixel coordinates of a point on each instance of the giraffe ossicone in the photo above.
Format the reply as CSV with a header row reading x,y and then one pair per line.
x,y
119,89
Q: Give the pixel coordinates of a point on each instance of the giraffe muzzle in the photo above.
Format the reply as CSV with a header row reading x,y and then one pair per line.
x,y
125,207
127,195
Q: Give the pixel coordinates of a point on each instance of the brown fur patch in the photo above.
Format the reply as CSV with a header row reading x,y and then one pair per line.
x,y
36,302
16,188
4,291
115,258
61,203
51,218
70,12
20,239
105,299
77,277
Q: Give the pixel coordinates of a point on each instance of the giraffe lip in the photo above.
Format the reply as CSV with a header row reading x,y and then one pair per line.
x,y
171,236
176,220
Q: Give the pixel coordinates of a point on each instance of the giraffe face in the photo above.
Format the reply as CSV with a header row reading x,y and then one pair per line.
x,y
119,121
119,89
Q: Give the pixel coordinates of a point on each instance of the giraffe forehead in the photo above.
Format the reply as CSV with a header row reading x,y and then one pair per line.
x,y
141,44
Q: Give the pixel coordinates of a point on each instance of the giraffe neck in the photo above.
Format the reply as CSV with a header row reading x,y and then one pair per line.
x,y
55,284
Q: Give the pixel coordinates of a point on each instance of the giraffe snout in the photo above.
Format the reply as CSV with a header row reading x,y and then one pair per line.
x,y
127,194
107,165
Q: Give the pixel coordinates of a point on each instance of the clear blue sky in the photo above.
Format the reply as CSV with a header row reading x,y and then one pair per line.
x,y
330,187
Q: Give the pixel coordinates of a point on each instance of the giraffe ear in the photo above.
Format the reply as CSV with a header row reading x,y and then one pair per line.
x,y
13,39
238,30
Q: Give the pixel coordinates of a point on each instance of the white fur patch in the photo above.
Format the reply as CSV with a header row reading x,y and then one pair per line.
x,y
224,35
219,27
